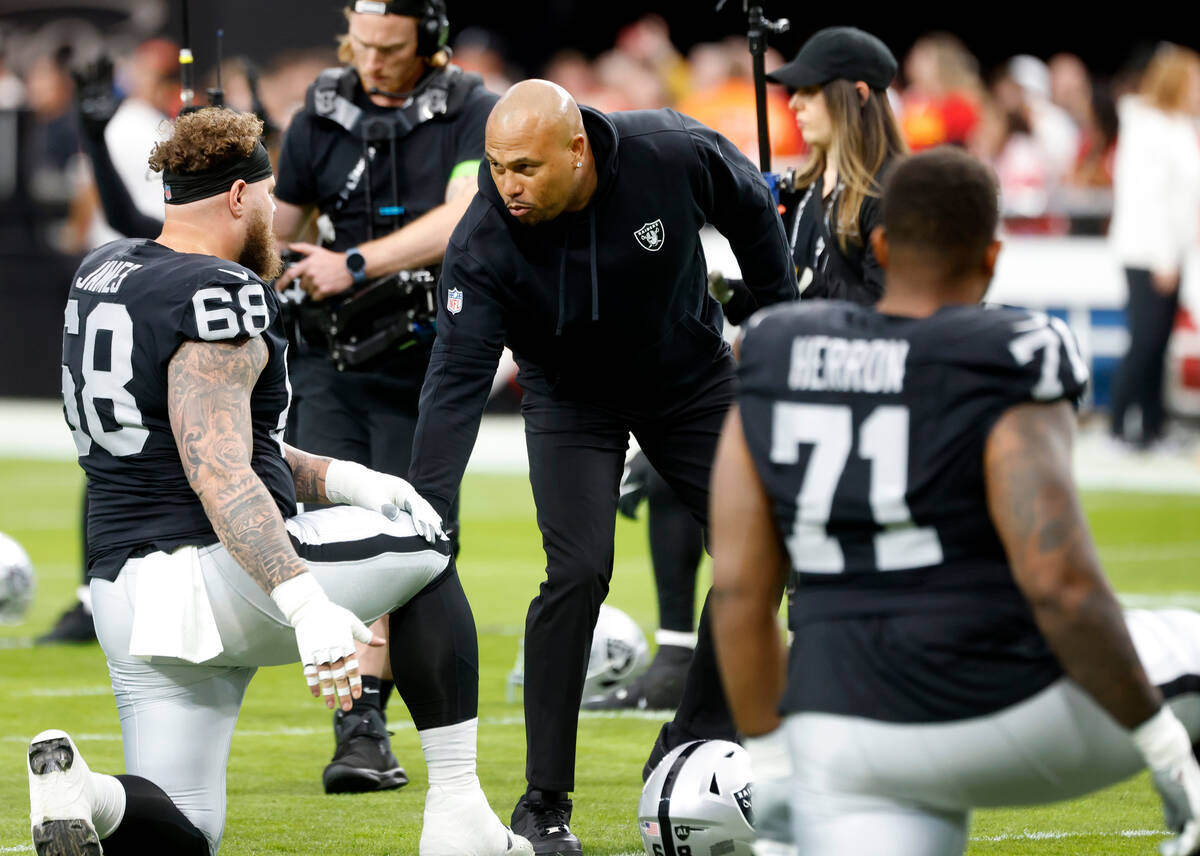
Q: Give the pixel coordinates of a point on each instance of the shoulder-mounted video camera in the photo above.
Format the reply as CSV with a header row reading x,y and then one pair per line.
x,y
375,318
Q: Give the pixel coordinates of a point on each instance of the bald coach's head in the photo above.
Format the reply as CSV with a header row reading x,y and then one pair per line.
x,y
538,152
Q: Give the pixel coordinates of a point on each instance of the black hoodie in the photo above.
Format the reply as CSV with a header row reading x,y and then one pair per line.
x,y
607,305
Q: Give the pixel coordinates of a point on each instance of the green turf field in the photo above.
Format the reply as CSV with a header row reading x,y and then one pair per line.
x,y
276,805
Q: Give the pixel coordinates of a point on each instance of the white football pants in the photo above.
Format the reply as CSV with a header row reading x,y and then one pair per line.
x,y
177,718
869,788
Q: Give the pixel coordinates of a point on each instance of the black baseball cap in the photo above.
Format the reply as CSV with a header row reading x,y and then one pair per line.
x,y
838,53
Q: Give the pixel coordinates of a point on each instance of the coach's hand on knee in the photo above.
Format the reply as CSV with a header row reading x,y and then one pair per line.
x,y
354,484
325,635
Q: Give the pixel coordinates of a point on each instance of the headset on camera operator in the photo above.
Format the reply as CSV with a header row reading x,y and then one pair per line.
x,y
384,157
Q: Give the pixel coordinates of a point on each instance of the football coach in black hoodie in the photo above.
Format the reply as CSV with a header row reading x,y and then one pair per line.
x,y
581,252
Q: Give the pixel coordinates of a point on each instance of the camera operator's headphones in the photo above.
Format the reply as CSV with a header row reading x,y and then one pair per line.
x,y
433,27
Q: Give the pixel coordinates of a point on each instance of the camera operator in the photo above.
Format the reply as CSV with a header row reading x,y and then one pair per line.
x,y
384,155
837,86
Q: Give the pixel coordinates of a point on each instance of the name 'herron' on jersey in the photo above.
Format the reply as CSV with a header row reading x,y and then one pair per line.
x,y
848,365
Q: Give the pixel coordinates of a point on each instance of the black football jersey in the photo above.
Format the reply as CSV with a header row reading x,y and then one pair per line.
x,y
868,432
131,305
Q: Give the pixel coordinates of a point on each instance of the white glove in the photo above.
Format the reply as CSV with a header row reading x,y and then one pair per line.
x,y
771,771
354,484
325,634
1164,743
718,287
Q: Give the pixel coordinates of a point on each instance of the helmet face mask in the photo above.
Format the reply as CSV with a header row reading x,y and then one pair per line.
x,y
697,802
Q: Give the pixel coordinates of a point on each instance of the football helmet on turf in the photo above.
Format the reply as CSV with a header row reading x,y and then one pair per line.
x,y
697,801
619,654
16,581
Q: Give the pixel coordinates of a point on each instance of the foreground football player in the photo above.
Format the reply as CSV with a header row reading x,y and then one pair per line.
x,y
908,472
175,388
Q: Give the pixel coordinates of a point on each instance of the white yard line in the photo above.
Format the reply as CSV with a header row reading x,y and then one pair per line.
x,y
255,734
70,692
1035,835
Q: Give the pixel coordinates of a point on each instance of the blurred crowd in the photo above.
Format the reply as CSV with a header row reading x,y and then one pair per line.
x,y
1049,127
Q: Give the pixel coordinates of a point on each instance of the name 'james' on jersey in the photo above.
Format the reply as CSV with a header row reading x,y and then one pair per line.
x,y
131,305
868,432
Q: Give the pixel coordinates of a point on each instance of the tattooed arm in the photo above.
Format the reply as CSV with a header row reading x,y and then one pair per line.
x,y
308,472
208,394
1035,508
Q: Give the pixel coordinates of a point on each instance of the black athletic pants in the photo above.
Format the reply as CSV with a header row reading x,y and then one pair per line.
x,y
676,548
576,456
1151,316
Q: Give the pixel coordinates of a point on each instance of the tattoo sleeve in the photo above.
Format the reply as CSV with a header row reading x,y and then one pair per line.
x,y
1036,511
208,399
308,471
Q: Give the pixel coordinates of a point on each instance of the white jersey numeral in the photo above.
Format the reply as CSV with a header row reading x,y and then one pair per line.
x,y
883,441
216,320
1052,337
129,437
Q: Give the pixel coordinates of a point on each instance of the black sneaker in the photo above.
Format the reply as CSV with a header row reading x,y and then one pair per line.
x,y
660,687
543,817
75,626
363,760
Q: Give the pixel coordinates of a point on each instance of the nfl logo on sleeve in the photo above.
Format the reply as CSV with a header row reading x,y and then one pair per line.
x,y
454,301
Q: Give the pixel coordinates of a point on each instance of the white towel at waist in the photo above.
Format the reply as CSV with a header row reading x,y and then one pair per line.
x,y
172,616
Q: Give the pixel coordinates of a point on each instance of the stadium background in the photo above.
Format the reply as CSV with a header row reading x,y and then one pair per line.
x,y
1143,509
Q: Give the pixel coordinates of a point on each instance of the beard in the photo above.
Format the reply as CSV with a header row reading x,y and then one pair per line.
x,y
259,252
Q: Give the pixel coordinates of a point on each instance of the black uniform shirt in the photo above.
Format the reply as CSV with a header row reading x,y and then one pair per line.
x,y
406,170
608,305
868,432
824,269
132,304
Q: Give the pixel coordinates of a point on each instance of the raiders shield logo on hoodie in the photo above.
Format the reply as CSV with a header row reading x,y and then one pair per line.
x,y
651,236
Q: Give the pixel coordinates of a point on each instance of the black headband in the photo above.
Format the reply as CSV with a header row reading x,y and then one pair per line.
x,y
180,188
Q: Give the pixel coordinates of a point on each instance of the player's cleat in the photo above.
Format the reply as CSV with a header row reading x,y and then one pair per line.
x,y
363,760
60,807
660,687
544,819
459,822
75,626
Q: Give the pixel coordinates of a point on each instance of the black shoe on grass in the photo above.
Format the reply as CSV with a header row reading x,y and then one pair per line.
x,y
543,817
363,760
74,627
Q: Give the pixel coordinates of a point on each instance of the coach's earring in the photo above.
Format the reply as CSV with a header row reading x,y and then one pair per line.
x,y
578,164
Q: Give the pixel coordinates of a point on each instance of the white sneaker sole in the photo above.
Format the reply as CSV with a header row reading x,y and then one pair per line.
x,y
60,813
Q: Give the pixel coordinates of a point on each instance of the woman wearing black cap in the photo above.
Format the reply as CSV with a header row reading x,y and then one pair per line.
x,y
838,84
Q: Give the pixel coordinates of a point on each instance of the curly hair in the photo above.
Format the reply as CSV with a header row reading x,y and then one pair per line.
x,y
207,138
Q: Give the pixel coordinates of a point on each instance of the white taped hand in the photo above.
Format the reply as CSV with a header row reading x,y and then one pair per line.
x,y
1167,748
354,484
771,768
325,634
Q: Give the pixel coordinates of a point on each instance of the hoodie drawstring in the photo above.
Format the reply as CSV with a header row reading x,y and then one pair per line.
x,y
562,284
562,275
595,278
